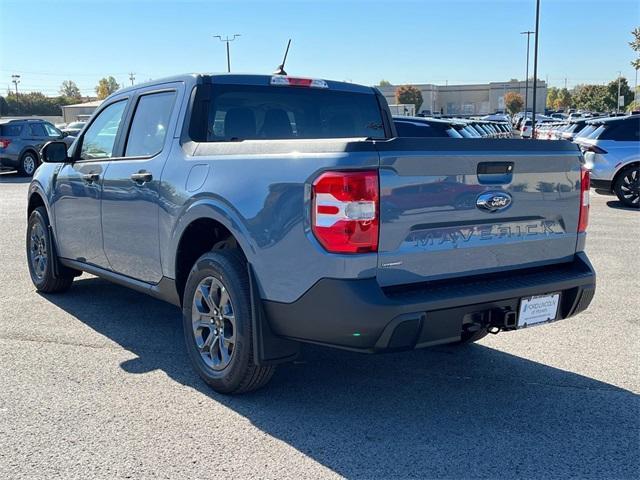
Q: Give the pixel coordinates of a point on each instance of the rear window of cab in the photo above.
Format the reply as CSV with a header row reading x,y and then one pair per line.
x,y
230,113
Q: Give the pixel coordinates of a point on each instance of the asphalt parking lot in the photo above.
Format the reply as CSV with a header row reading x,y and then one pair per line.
x,y
96,383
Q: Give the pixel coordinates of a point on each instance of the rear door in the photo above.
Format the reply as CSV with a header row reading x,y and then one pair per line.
x,y
130,203
435,225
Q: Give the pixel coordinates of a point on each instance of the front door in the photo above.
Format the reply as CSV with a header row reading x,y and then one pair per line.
x,y
130,203
77,190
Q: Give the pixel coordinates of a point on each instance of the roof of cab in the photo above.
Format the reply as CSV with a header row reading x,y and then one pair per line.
x,y
240,79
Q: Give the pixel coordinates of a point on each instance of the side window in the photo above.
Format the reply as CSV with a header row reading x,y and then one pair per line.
x,y
150,124
99,139
623,130
51,130
37,130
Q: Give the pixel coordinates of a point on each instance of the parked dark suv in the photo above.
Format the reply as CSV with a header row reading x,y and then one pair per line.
x,y
21,140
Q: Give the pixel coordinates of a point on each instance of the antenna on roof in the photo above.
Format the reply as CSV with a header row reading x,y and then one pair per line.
x,y
280,69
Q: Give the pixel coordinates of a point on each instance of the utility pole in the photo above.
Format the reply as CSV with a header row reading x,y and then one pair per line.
x,y
535,71
526,78
227,40
15,79
565,83
132,77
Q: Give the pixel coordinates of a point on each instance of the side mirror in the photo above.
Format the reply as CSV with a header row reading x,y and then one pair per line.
x,y
65,134
54,152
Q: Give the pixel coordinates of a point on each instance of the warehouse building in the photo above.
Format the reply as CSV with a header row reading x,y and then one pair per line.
x,y
79,111
475,99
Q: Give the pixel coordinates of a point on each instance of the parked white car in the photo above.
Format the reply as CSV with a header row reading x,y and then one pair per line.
x,y
612,152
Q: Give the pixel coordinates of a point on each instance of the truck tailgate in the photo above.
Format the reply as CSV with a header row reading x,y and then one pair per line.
x,y
432,221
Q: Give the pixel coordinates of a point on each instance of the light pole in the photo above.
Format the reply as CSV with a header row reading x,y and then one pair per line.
x,y
535,71
15,79
227,40
526,78
618,99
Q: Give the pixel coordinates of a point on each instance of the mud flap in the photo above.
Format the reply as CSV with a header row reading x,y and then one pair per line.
x,y
269,349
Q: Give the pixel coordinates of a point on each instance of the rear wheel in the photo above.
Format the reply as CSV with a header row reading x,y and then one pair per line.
x,y
28,164
627,186
41,256
216,316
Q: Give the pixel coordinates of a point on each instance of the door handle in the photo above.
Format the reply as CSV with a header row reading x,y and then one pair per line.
x,y
91,178
141,177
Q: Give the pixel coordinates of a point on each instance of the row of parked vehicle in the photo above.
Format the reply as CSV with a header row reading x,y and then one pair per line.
x,y
611,148
451,127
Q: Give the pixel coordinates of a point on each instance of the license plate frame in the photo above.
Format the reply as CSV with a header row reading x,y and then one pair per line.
x,y
538,309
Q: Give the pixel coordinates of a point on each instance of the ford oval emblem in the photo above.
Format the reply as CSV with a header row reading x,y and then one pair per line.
x,y
493,201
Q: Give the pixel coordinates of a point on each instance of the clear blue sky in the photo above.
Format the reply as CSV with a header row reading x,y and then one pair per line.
x,y
429,41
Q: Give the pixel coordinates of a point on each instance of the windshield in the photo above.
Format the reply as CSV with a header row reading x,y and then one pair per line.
x,y
244,112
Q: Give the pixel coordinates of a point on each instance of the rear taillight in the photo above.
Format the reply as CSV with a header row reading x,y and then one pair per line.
x,y
585,184
345,211
4,142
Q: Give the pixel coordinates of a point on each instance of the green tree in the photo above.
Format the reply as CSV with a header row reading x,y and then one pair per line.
x,y
69,89
563,100
513,102
106,86
594,98
409,94
34,103
4,107
552,97
612,89
384,83
635,46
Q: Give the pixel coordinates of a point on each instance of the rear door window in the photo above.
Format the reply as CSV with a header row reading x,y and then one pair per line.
x,y
37,130
150,124
622,131
245,112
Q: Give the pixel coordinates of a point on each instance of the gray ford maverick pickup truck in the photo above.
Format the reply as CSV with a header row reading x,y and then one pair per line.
x,y
275,210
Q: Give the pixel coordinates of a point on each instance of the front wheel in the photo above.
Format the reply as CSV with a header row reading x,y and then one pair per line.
x,y
216,317
41,256
627,186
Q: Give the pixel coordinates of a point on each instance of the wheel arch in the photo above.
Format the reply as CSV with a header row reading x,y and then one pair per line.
x,y
204,227
633,163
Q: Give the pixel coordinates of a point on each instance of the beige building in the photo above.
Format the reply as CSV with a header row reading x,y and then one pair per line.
x,y
475,99
79,111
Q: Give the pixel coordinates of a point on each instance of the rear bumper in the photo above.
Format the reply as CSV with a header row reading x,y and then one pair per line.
x,y
359,315
8,160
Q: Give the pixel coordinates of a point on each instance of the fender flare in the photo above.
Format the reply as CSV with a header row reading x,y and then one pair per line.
x,y
213,209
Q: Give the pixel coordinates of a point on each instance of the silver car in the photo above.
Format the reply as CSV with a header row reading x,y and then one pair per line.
x,y
612,152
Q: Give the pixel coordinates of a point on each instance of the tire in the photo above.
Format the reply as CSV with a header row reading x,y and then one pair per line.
x,y
41,256
216,317
28,164
627,186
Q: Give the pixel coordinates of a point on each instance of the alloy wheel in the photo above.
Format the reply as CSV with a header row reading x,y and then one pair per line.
x,y
630,187
214,323
29,164
38,250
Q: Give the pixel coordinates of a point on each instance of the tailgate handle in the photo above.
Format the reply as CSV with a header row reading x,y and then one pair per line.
x,y
495,172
